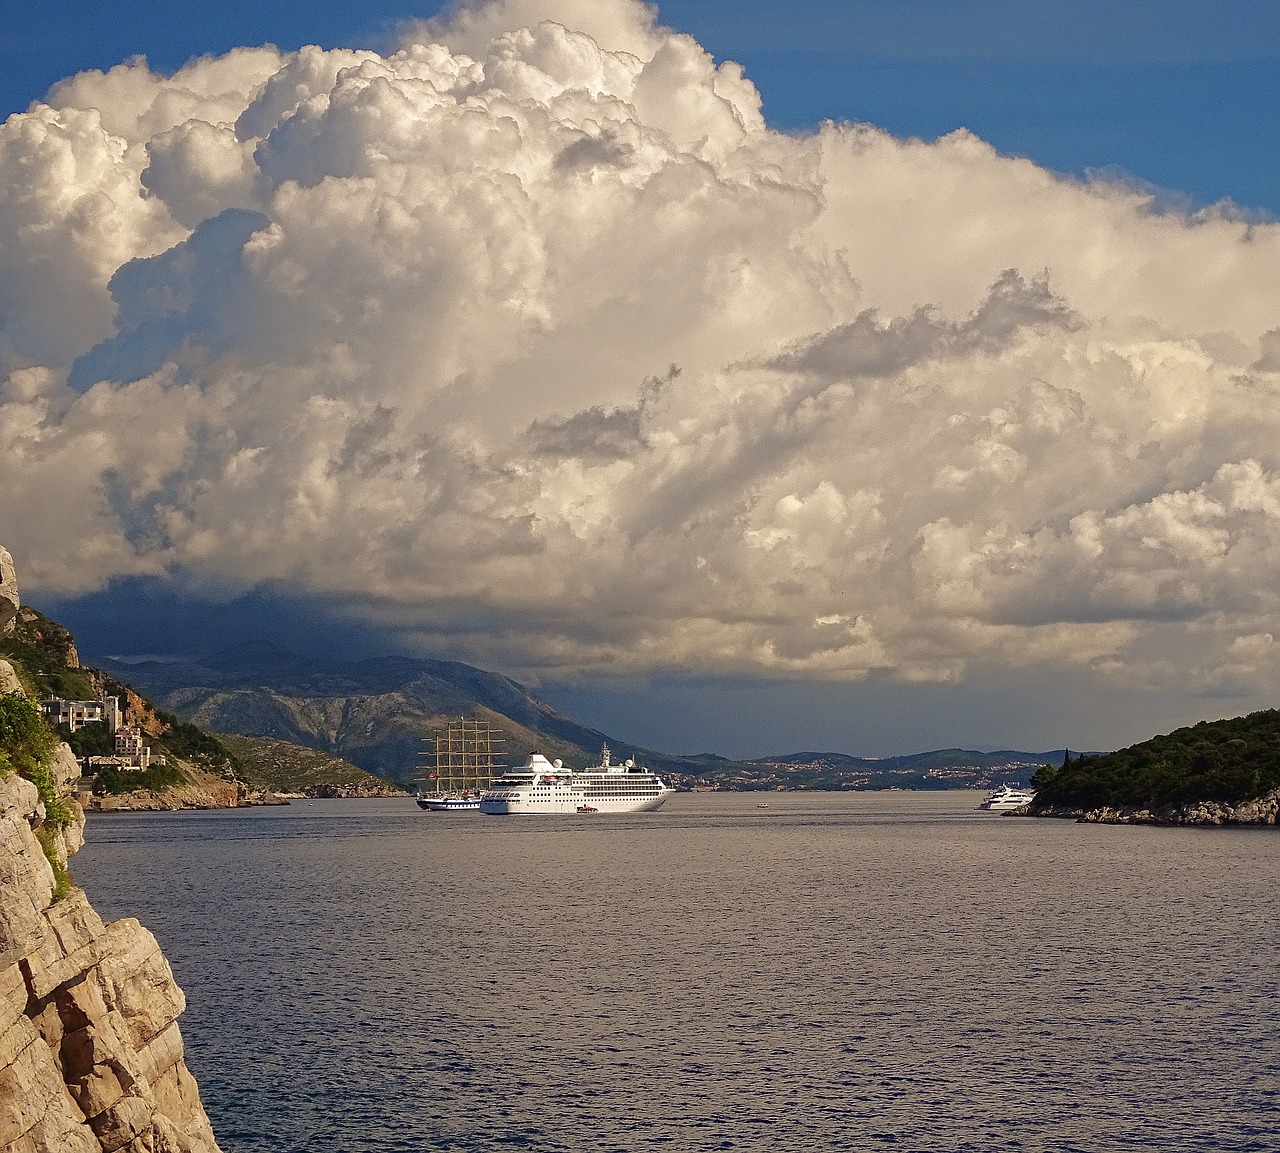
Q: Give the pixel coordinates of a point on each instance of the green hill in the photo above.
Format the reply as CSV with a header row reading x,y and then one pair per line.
x,y
1227,762
284,767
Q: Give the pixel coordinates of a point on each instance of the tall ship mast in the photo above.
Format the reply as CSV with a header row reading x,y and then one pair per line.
x,y
468,755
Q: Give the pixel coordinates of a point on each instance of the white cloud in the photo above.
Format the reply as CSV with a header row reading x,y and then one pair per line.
x,y
532,339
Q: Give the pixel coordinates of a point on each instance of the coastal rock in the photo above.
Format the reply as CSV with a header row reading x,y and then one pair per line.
x,y
26,880
9,602
9,682
203,790
1264,810
91,1057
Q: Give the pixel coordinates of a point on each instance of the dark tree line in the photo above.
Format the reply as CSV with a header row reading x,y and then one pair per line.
x,y
1228,761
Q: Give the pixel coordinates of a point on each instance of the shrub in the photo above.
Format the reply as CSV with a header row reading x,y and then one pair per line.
x,y
24,735
113,781
62,882
92,740
27,743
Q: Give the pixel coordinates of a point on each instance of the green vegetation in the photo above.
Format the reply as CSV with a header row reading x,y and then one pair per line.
x,y
111,780
27,744
191,743
288,768
92,740
62,882
43,654
1226,761
24,735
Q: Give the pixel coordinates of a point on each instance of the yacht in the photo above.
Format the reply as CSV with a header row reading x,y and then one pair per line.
x,y
1007,798
543,786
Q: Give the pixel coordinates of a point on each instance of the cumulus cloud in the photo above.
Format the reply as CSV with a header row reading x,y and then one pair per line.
x,y
533,341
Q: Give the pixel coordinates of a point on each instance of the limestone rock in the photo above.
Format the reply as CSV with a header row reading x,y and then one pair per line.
x,y
9,602
64,765
91,1058
9,682
1264,810
26,880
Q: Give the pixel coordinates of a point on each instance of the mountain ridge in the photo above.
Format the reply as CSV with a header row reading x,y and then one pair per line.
x,y
377,711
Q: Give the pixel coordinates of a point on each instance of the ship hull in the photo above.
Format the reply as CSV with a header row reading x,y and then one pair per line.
x,y
517,804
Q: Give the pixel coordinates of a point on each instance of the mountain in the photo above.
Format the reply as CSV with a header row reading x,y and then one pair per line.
x,y
375,713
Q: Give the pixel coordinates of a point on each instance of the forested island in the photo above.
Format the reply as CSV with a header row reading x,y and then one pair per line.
x,y
1211,773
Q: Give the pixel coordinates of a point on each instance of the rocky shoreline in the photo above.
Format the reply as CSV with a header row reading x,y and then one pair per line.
x,y
204,792
91,1058
1261,811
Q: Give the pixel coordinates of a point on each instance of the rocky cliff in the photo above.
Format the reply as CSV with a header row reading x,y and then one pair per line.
x,y
91,1059
8,593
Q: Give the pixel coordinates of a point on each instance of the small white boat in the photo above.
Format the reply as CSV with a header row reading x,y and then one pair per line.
x,y
1007,798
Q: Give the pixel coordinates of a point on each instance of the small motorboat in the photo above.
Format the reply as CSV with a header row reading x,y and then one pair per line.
x,y
587,809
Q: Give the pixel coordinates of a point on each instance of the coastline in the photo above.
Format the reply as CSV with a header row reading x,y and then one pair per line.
x,y
1259,813
91,1056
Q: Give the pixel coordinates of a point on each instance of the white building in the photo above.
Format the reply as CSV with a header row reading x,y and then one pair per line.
x,y
77,714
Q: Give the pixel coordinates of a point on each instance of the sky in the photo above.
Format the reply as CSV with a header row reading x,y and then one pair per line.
x,y
747,377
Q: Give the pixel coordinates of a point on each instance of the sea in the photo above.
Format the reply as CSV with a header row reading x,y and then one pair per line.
x,y
737,971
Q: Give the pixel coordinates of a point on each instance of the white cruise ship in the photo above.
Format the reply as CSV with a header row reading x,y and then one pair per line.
x,y
543,786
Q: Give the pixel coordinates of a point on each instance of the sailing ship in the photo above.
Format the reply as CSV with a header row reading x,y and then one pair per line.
x,y
467,757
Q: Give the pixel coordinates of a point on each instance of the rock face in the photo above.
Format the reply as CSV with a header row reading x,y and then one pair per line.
x,y
9,682
9,603
90,1053
202,791
91,1059
1263,810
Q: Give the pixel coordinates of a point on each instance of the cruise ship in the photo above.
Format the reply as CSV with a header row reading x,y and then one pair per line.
x,y
543,786
1006,799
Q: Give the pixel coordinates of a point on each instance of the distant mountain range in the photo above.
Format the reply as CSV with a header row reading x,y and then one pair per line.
x,y
380,714
376,713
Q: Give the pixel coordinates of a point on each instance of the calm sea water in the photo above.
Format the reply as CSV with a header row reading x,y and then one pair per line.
x,y
834,972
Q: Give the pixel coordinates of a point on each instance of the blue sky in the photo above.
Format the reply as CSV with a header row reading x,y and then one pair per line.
x,y
1183,94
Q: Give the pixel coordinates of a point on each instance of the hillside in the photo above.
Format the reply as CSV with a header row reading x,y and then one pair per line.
x,y
374,713
1226,764
381,714
288,768
938,769
200,772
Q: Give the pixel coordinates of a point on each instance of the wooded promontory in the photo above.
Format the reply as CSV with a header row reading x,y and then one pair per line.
x,y
1212,773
